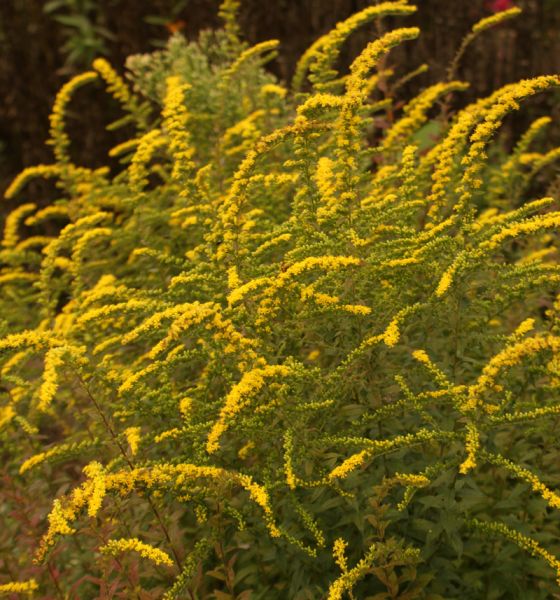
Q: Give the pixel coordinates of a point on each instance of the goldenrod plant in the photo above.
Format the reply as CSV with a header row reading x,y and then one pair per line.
x,y
282,352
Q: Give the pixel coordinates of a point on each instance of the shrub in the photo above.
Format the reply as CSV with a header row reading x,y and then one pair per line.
x,y
294,347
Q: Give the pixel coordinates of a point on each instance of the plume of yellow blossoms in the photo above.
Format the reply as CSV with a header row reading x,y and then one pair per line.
x,y
416,113
520,472
116,547
524,542
115,84
493,20
472,446
508,357
59,138
323,53
19,587
239,397
176,118
349,578
28,174
146,149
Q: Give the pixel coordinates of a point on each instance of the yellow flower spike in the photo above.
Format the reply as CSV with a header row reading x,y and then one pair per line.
x,y
239,397
323,53
19,587
510,356
147,147
270,304
259,495
519,156
245,450
339,550
96,486
248,130
349,123
444,155
167,435
124,148
273,90
416,113
58,136
55,211
527,226
495,19
157,556
176,120
507,101
524,542
58,525
520,472
472,442
319,103
369,57
541,162
412,479
133,438
185,407
439,376
349,578
54,360
422,356
230,210
81,247
7,414
478,28
115,83
325,180
233,278
523,328
104,313
191,315
348,466
392,333
12,224
30,173
247,56
29,339
33,461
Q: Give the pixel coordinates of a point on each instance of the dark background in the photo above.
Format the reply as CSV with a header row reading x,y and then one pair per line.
x,y
44,43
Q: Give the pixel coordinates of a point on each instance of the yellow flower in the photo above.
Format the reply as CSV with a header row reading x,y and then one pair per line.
x,y
19,587
12,224
239,397
349,578
28,174
416,113
493,20
348,466
96,487
157,556
176,119
322,55
339,549
508,357
392,333
524,542
133,438
472,446
59,137
115,84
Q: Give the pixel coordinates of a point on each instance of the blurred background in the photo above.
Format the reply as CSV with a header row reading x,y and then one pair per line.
x,y
45,42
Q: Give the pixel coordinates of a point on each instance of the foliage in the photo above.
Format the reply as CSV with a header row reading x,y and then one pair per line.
x,y
283,352
85,36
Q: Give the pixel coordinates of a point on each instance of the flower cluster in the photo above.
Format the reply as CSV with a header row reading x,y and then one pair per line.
x,y
276,327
